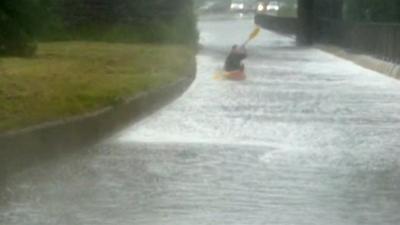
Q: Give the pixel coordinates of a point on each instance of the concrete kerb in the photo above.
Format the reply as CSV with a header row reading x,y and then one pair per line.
x,y
388,68
25,148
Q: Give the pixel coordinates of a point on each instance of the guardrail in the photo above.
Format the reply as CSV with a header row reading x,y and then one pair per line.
x,y
381,40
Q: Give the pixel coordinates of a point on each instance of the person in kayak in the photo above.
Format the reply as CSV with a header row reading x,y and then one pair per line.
x,y
234,60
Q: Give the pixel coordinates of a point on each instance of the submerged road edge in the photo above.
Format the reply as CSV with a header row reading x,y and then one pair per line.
x,y
369,62
25,148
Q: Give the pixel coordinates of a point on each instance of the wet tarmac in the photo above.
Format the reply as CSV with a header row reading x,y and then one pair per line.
x,y
307,139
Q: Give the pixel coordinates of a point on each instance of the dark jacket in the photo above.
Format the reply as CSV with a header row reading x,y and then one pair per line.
x,y
234,60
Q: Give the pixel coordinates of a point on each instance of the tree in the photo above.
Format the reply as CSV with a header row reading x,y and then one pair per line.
x,y
372,10
306,21
329,9
173,19
17,25
24,21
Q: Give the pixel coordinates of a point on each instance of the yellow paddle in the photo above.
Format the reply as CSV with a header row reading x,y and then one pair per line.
x,y
253,35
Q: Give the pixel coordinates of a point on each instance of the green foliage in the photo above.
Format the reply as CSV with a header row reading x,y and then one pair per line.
x,y
372,10
24,21
17,26
130,20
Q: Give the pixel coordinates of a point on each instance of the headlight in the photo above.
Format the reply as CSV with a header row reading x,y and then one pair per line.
x,y
273,7
241,6
260,7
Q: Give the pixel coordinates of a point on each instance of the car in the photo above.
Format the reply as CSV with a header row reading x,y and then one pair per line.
x,y
273,6
237,5
261,6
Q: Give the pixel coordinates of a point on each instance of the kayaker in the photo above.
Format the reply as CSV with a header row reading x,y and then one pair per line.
x,y
234,60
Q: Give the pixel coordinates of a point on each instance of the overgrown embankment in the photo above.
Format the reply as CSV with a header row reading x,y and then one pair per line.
x,y
70,78
64,58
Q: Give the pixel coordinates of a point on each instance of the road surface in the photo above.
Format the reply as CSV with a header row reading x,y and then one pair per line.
x,y
308,139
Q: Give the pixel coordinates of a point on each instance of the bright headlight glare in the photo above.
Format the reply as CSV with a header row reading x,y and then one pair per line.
x,y
273,7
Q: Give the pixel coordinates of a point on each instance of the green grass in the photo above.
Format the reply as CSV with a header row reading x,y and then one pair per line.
x,y
70,78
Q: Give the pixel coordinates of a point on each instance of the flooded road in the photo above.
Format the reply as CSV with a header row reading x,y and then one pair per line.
x,y
308,139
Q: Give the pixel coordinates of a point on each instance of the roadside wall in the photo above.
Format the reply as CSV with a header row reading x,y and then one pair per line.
x,y
380,40
285,25
373,46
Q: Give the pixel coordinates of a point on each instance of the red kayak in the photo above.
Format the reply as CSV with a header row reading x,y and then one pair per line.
x,y
235,75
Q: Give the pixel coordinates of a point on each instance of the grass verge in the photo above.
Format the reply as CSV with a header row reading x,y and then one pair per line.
x,y
71,78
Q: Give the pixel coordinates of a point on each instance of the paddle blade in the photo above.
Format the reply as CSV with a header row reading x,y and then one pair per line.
x,y
255,33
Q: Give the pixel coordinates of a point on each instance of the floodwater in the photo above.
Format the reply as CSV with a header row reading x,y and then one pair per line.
x,y
308,139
